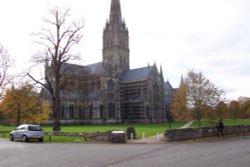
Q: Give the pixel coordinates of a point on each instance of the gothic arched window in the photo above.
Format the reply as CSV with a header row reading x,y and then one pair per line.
x,y
91,110
110,85
110,69
71,111
111,107
62,112
101,111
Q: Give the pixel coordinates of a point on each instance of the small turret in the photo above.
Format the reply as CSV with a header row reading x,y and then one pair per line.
x,y
182,80
161,73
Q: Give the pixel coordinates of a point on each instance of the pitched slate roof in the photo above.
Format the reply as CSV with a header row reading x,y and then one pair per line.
x,y
73,69
168,86
139,74
95,69
168,92
72,94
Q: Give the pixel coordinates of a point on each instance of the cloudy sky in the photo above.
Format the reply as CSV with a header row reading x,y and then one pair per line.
x,y
211,36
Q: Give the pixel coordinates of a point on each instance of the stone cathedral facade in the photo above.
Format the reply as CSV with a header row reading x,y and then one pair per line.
x,y
110,92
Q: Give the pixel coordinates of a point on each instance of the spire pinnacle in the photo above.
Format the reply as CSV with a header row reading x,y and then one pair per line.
x,y
115,12
161,70
182,80
161,73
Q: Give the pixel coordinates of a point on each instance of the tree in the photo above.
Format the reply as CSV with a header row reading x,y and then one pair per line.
x,y
57,42
209,114
180,111
201,93
5,63
23,105
245,106
220,110
248,112
234,110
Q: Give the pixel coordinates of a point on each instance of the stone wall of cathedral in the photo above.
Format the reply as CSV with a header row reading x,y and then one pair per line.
x,y
103,98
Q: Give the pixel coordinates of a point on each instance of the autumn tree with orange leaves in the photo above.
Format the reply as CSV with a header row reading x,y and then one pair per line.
x,y
201,94
24,105
179,105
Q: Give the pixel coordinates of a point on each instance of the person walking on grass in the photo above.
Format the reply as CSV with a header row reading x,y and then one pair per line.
x,y
220,127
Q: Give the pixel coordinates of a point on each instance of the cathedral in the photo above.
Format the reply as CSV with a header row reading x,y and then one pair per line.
x,y
109,92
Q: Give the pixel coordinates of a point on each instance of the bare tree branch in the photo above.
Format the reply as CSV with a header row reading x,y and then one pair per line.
x,y
37,81
57,42
5,63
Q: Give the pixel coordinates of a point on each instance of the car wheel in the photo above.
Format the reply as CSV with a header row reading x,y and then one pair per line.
x,y
24,138
11,137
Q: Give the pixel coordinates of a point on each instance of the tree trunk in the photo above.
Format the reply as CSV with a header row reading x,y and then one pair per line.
x,y
57,104
18,115
56,115
199,123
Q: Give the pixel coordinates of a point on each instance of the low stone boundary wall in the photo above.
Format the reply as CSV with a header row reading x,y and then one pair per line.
x,y
118,137
108,136
208,132
95,136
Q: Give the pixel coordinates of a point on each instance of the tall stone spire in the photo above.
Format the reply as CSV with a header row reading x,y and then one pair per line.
x,y
115,16
115,41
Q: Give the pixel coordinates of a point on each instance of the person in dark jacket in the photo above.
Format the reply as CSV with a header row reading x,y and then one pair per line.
x,y
220,127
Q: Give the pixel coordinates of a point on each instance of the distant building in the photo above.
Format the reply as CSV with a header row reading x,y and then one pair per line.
x,y
112,92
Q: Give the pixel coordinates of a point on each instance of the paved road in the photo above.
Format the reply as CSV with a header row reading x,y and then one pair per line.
x,y
227,153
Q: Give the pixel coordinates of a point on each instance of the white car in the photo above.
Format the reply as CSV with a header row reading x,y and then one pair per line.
x,y
27,132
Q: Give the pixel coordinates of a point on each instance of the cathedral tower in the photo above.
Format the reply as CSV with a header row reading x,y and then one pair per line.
x,y
115,42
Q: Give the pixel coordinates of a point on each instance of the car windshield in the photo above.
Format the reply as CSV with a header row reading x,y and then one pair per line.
x,y
34,128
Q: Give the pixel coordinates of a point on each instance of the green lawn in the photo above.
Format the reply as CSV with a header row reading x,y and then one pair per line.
x,y
6,128
227,122
148,129
63,139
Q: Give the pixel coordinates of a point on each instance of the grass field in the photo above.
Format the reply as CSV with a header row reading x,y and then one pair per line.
x,y
148,129
227,122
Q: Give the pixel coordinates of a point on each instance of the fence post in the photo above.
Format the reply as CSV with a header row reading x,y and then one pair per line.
x,y
158,137
143,136
131,136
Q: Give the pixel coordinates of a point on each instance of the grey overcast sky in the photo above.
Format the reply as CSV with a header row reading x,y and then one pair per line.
x,y
211,36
